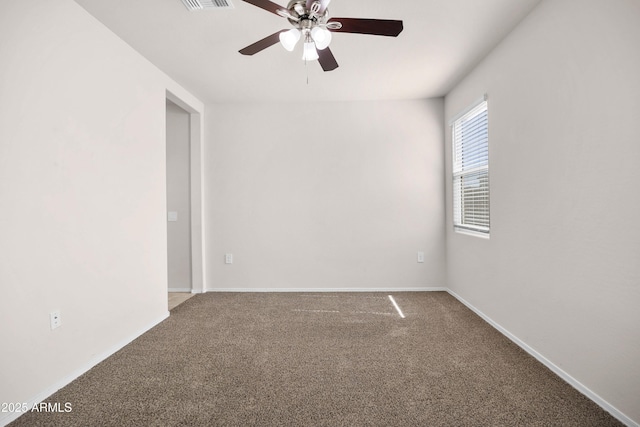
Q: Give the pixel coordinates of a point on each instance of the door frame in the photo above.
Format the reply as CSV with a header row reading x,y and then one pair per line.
x,y
196,128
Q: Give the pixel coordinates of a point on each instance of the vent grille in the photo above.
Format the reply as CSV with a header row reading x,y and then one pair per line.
x,y
207,4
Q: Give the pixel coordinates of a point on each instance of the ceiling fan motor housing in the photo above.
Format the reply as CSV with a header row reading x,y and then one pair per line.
x,y
303,18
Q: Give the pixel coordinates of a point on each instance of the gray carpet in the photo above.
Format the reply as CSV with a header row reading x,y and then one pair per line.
x,y
343,359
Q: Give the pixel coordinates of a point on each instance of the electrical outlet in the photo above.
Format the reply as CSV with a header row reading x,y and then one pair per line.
x,y
228,258
420,256
56,319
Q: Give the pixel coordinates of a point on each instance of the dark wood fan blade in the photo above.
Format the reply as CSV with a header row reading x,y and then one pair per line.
x,y
327,60
262,44
267,5
377,27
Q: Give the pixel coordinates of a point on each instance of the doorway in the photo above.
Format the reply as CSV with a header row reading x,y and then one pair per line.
x,y
179,257
185,245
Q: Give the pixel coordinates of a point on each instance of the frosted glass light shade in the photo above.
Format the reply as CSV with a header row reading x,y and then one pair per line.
x,y
322,37
288,39
309,53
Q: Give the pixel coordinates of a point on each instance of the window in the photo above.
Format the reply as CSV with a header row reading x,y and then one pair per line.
x,y
471,169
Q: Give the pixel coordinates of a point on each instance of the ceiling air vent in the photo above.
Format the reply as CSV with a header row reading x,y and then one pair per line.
x,y
207,4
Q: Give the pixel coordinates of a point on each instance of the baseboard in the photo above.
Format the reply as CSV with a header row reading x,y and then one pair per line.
x,y
9,417
557,370
6,418
320,290
180,290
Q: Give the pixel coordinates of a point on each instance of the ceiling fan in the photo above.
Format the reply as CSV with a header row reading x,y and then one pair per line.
x,y
311,23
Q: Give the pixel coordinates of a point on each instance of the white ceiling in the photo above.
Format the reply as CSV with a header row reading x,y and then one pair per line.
x,y
442,40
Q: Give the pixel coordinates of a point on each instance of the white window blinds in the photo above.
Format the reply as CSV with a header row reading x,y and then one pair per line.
x,y
471,170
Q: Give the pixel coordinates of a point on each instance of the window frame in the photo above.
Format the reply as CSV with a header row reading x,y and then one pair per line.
x,y
476,173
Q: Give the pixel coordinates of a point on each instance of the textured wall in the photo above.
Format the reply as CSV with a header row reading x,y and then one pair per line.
x,y
561,269
325,195
83,195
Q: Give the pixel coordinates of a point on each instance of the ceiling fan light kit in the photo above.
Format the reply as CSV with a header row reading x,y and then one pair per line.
x,y
288,39
321,37
311,23
309,53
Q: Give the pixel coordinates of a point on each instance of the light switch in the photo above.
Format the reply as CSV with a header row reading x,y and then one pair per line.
x,y
172,216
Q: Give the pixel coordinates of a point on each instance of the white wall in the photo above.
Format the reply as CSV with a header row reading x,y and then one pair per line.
x,y
325,195
82,195
178,198
561,271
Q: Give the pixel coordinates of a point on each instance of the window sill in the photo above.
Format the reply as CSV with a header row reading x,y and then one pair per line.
x,y
472,233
